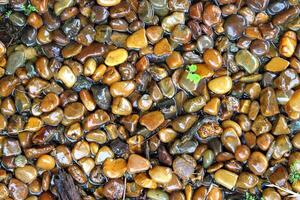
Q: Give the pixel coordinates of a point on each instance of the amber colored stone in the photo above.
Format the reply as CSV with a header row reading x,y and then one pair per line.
x,y
114,168
277,64
287,44
226,178
204,71
137,40
258,163
154,33
46,162
144,181
212,58
35,20
137,164
220,85
152,120
212,107
161,174
293,103
174,60
116,57
163,47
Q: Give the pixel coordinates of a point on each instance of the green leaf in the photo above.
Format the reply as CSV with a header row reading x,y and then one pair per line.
x,y
192,68
194,77
8,13
295,174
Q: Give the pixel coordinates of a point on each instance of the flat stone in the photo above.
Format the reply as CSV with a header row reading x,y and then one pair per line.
x,y
247,60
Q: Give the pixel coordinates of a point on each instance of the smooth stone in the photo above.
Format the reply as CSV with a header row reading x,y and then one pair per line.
x,y
169,22
103,33
26,174
258,163
277,64
268,102
71,50
152,120
15,60
157,195
248,61
61,5
282,146
116,57
114,188
17,189
137,40
293,103
137,164
104,153
226,178
220,85
247,180
204,42
102,96
162,48
184,166
114,168
261,125
234,26
121,106
145,181
179,147
161,174
145,11
108,3
67,76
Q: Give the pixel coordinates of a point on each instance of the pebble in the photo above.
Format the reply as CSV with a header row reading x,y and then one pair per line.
x,y
258,163
116,57
213,58
169,22
60,6
247,180
26,174
137,40
144,181
104,153
17,189
268,103
114,188
226,178
15,60
67,76
121,106
137,164
162,48
234,26
114,168
152,120
288,43
45,162
277,64
108,3
247,61
157,195
211,15
184,166
161,174
293,103
220,85
63,156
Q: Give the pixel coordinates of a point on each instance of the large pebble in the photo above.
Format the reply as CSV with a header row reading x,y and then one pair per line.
x,y
116,57
15,60
220,85
161,174
152,120
226,178
137,163
258,163
67,76
247,61
108,3
26,174
137,40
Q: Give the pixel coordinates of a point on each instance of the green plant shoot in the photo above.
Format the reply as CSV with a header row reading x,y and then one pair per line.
x,y
295,174
193,76
28,9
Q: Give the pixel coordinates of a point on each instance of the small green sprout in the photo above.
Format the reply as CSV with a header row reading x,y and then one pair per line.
x,y
250,196
193,76
28,9
295,174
